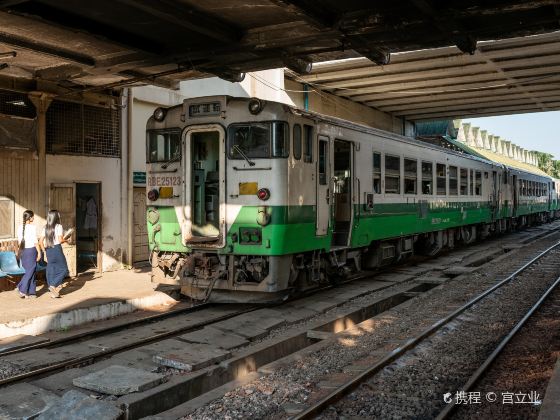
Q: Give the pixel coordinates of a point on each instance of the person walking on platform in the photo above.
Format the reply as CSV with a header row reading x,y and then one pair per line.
x,y
29,254
51,242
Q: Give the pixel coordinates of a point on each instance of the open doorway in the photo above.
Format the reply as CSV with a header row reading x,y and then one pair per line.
x,y
88,226
342,190
205,185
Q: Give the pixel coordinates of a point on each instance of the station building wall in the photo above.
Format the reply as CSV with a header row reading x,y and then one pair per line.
x,y
65,169
19,191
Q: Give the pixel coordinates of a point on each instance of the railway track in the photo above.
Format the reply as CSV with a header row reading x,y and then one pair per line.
x,y
338,394
160,332
518,370
77,344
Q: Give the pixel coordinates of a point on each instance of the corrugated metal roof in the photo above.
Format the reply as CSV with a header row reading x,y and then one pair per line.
x,y
436,128
504,76
495,157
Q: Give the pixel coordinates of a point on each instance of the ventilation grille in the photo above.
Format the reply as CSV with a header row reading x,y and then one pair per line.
x,y
16,104
78,129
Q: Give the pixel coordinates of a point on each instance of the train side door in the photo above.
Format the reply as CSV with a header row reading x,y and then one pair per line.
x,y
495,194
324,186
515,192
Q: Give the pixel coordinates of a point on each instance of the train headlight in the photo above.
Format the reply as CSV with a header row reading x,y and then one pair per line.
x,y
153,195
255,106
153,216
263,194
263,216
159,114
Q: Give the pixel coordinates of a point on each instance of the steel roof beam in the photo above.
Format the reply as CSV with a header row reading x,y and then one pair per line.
x,y
189,18
425,101
443,84
484,111
469,104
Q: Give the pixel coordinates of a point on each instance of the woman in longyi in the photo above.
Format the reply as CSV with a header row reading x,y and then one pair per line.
x,y
53,238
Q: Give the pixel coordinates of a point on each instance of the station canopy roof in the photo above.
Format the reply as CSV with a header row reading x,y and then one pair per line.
x,y
502,77
77,44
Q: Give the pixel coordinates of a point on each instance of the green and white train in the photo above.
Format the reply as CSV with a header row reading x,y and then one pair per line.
x,y
251,201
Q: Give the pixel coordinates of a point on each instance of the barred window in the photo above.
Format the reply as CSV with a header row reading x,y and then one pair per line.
x,y
79,129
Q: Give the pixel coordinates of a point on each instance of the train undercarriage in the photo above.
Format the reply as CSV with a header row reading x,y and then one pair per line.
x,y
209,276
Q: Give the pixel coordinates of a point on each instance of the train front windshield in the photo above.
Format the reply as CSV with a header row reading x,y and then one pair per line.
x,y
163,146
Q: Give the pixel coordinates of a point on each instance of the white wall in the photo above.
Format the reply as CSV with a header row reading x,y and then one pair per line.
x,y
266,84
65,169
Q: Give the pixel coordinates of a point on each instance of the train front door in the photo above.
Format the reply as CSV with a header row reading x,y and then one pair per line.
x,y
204,185
324,186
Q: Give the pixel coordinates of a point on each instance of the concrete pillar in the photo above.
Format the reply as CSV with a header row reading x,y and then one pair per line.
x,y
461,136
470,135
499,148
484,139
477,138
456,124
506,147
42,101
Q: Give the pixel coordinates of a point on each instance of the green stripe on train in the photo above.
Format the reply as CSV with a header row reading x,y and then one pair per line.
x,y
292,228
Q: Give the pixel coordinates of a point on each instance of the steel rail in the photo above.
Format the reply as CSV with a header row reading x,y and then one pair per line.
x,y
103,354
105,330
484,367
346,388
157,317
89,359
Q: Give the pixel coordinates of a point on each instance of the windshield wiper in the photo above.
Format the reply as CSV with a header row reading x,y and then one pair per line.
x,y
240,151
170,161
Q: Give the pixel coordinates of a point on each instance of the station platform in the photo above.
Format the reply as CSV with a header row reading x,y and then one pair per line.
x,y
86,298
550,409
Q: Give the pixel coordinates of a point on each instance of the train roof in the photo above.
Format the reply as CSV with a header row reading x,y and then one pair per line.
x,y
465,151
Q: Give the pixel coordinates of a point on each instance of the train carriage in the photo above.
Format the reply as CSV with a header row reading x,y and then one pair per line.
x,y
250,201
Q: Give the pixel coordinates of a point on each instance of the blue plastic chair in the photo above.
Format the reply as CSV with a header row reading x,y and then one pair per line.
x,y
41,266
9,264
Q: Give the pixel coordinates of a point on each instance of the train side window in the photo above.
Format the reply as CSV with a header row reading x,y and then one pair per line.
x,y
297,141
427,178
307,143
280,140
472,181
453,180
522,187
478,183
323,159
441,181
377,173
392,174
464,181
535,188
410,176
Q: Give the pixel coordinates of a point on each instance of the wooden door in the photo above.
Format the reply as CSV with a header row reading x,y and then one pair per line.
x,y
140,252
62,197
